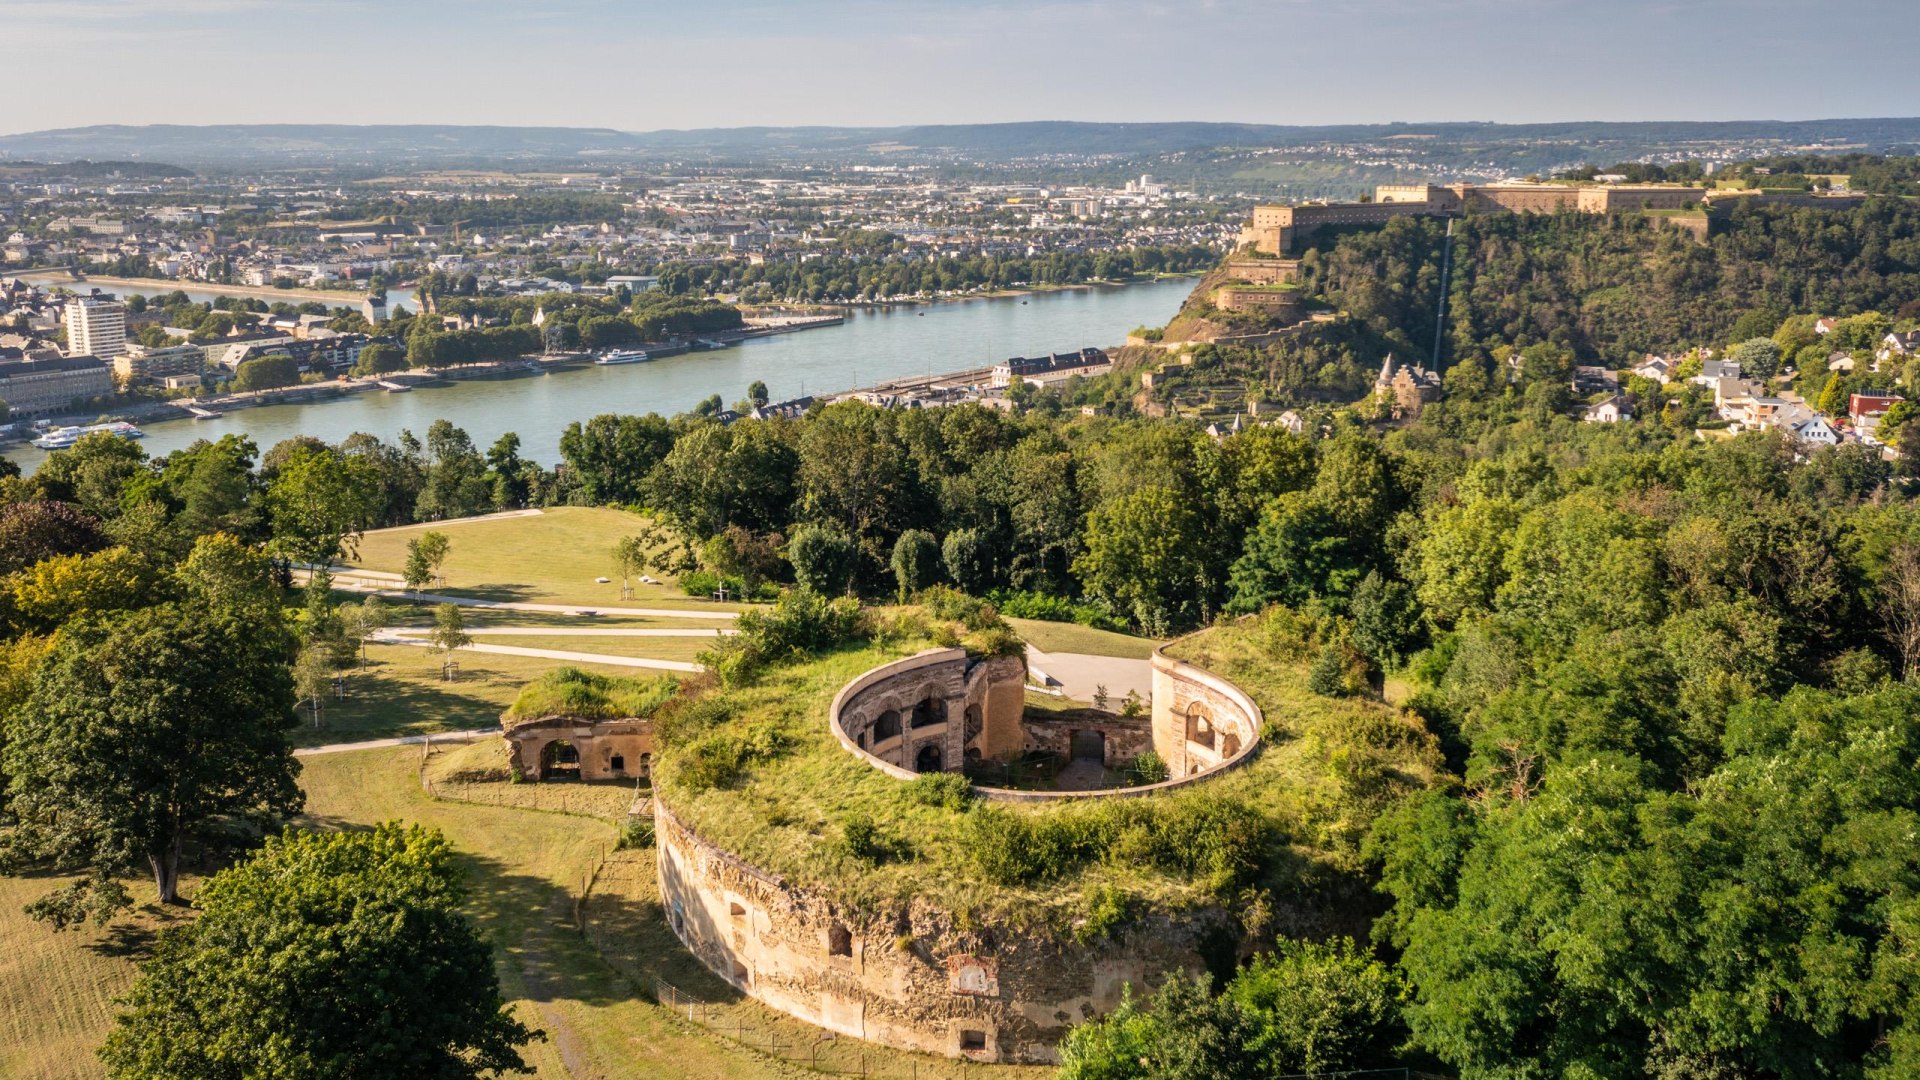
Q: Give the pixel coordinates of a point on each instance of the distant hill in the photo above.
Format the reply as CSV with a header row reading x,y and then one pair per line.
x,y
427,144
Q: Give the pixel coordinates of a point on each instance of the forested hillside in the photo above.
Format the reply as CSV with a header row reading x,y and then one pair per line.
x,y
1613,287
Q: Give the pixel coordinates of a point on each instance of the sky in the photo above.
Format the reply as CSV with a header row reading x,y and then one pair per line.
x,y
641,65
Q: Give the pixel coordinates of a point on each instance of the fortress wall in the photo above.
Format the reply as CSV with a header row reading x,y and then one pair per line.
x,y
1183,693
906,978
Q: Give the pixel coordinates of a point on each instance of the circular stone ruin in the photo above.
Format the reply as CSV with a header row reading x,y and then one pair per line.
x,y
918,978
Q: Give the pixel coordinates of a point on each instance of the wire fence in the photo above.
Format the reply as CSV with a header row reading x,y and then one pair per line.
x,y
748,1024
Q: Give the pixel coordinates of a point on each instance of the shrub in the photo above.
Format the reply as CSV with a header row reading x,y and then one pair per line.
x,y
950,791
719,758
1044,606
1328,675
636,833
690,719
1108,908
1148,768
863,840
802,623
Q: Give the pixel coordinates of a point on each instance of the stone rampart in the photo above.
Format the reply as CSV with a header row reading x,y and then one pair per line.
x,y
908,977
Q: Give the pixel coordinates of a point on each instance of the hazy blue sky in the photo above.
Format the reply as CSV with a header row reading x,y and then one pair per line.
x,y
645,64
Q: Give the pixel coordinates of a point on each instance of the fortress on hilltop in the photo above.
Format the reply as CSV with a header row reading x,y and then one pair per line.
x,y
1280,230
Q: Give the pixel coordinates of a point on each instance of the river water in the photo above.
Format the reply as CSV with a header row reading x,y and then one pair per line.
x,y
873,346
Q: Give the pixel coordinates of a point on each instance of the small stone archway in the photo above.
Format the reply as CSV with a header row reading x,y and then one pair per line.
x,y
1089,745
560,760
927,759
1200,724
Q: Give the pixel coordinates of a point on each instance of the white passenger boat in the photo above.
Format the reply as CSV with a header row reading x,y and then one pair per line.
x,y
61,438
622,356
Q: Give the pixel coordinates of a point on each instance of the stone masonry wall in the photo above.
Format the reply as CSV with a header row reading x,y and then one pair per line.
x,y
905,977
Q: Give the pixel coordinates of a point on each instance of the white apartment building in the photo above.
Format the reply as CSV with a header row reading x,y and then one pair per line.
x,y
96,328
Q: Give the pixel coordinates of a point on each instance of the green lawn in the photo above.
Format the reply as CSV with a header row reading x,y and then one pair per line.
x,y
1074,638
401,693
57,989
549,558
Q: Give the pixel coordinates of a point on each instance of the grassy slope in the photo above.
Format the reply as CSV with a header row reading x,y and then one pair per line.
x,y
1074,638
549,558
786,815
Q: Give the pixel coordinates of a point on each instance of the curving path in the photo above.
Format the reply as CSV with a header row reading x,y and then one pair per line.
x,y
402,637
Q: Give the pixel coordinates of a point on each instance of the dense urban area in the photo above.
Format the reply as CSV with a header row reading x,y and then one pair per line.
x,y
1477,635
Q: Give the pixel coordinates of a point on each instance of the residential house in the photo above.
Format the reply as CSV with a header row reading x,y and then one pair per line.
x,y
1816,431
1610,411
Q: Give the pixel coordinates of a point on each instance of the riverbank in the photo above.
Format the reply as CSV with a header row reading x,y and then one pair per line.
x,y
162,286
872,346
996,294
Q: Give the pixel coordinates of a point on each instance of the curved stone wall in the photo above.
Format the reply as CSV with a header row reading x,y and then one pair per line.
x,y
905,978
1201,722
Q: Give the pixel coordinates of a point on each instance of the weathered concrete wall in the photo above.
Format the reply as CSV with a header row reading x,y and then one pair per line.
x,y
1122,739
608,749
906,978
1200,720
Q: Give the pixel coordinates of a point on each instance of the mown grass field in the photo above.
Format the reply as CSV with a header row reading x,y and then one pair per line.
x,y
548,558
400,692
586,984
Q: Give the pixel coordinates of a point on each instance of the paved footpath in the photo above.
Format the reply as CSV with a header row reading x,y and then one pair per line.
x,y
551,609
403,740
597,631
401,637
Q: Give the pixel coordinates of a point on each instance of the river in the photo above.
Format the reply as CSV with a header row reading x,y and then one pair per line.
x,y
873,346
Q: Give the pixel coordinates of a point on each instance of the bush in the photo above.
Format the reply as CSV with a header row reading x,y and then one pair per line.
x,y
1108,909
950,791
865,842
1148,768
720,757
802,623
1034,605
704,583
635,834
1328,675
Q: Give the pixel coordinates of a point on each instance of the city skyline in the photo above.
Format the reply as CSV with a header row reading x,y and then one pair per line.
x,y
671,64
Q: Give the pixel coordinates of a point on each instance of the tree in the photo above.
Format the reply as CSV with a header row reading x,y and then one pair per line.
x,y
214,487
822,559
362,620
968,561
325,955
313,674
144,731
630,558
757,393
319,500
915,562
456,476
1385,619
433,547
449,634
266,373
1759,358
1319,1008
379,359
1142,559
40,529
1900,607
610,456
418,571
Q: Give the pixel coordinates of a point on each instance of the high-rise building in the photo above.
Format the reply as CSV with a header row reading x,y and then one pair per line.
x,y
96,328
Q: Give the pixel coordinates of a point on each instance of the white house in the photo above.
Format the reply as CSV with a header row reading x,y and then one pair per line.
x,y
1816,432
1611,411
